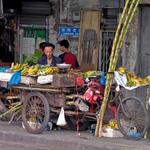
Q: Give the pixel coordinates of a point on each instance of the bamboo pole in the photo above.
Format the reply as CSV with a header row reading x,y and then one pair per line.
x,y
111,58
125,30
112,66
122,18
112,54
14,108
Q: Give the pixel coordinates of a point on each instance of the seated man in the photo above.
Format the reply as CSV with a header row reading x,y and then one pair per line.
x,y
68,57
48,58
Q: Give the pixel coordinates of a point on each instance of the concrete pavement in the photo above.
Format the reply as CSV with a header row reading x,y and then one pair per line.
x,y
66,140
10,145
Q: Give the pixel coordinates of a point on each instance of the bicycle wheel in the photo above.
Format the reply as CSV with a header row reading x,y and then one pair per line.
x,y
132,118
35,112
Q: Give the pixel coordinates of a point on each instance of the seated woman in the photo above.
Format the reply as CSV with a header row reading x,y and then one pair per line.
x,y
48,58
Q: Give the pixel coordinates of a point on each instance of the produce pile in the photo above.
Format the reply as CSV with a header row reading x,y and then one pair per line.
x,y
34,70
132,79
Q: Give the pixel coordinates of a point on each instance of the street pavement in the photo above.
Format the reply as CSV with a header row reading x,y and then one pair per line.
x,y
9,145
14,137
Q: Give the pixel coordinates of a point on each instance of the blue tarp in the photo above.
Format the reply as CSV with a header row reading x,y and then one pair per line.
x,y
3,69
15,79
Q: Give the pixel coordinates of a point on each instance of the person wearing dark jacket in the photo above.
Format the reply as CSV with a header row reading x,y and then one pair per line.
x,y
48,58
67,57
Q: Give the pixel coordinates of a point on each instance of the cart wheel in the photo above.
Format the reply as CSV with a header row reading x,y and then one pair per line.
x,y
35,112
72,122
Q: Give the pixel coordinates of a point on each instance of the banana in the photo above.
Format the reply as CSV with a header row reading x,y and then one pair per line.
x,y
46,70
148,78
24,66
121,70
24,71
133,82
91,73
33,70
55,70
16,67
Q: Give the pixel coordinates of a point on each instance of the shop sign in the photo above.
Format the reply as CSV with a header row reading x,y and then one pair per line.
x,y
69,31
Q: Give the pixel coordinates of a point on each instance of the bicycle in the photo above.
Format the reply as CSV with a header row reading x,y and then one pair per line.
x,y
132,116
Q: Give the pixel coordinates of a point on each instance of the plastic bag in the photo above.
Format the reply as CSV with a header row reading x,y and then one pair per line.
x,y
15,79
79,81
61,119
82,105
102,79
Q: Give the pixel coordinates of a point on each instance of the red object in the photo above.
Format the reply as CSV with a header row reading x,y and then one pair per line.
x,y
79,81
70,58
114,111
92,110
89,95
94,92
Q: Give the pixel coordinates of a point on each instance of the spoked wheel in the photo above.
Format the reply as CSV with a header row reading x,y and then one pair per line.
x,y
132,118
35,112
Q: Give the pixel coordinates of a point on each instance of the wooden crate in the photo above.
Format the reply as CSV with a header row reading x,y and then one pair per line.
x,y
63,80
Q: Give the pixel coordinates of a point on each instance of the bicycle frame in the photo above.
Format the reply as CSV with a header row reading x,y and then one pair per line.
x,y
117,99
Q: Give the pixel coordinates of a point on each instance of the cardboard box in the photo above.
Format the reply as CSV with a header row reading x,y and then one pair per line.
x,y
28,80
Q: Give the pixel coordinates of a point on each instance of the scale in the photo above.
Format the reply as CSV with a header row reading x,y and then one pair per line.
x,y
62,71
63,68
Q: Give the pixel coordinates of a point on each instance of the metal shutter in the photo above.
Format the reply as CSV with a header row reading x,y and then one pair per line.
x,y
33,20
39,8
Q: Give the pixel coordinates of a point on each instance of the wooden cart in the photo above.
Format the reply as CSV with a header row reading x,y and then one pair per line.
x,y
42,103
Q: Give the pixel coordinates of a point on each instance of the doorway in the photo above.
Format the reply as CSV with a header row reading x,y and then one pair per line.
x,y
7,37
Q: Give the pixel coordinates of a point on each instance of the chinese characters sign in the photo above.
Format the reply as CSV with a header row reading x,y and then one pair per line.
x,y
69,31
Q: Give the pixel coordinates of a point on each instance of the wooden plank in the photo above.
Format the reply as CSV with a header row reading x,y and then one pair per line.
x,y
41,88
145,2
89,39
68,112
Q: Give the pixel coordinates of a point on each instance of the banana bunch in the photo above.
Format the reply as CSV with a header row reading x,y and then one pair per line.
x,y
133,82
33,70
130,75
24,66
15,67
144,82
91,73
121,70
46,70
132,79
147,79
24,71
136,81
55,70
112,124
